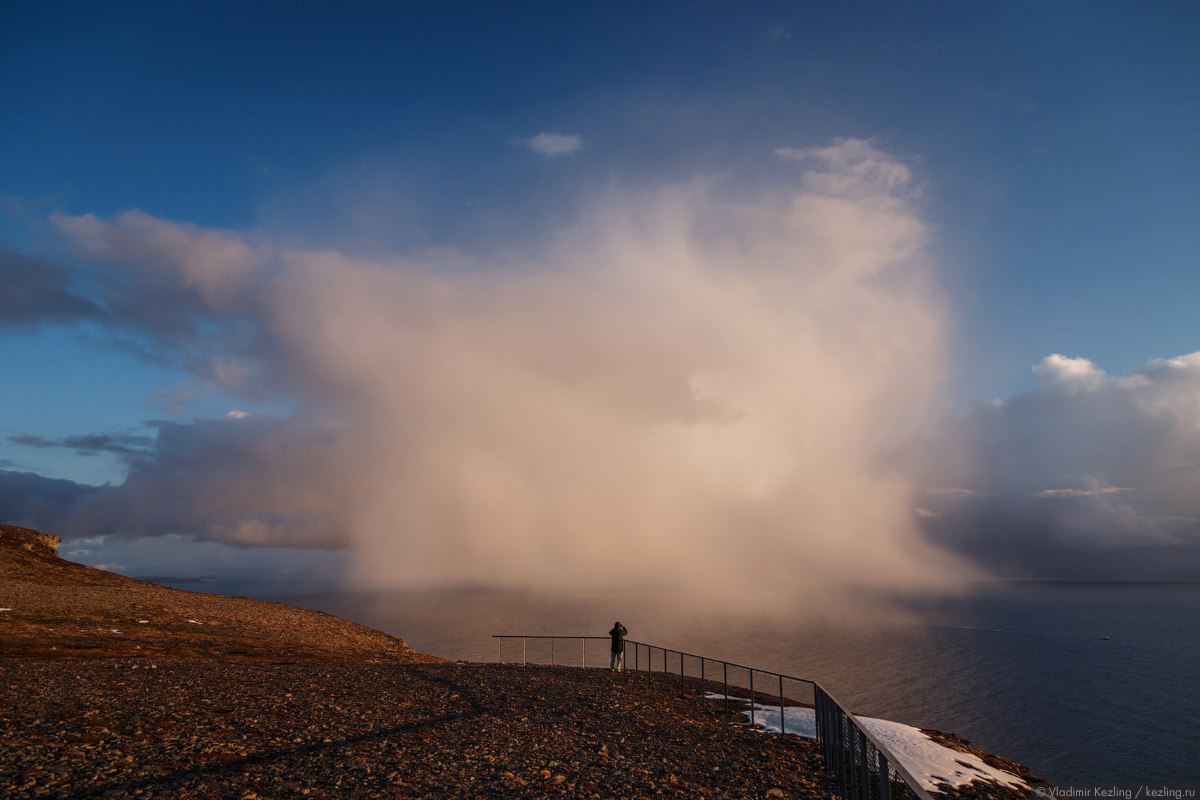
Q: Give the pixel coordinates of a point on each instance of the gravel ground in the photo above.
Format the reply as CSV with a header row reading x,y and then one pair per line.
x,y
115,687
199,728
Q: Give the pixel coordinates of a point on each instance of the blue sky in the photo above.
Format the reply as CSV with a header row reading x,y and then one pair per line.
x,y
1051,147
1057,139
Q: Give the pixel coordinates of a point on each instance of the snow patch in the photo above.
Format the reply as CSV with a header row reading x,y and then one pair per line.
x,y
195,622
5,609
929,762
933,763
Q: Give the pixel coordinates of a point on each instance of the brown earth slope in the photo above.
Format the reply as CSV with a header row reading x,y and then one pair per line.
x,y
62,609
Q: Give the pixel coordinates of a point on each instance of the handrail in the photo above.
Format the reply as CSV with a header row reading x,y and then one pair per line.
x,y
844,741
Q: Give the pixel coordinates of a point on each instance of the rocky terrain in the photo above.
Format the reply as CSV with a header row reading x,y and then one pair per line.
x,y
57,608
215,729
112,687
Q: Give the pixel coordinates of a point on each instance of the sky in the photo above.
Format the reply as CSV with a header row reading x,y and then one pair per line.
x,y
900,294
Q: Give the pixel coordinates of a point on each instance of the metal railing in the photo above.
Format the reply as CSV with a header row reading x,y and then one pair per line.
x,y
861,766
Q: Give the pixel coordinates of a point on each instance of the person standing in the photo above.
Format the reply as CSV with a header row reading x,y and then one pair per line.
x,y
617,663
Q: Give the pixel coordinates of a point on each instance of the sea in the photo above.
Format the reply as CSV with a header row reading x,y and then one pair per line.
x,y
1083,682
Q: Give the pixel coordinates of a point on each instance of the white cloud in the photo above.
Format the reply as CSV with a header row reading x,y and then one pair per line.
x,y
850,164
1069,374
685,370
554,145
215,263
1081,492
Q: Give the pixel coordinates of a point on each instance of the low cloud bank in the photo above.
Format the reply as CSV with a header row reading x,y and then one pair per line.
x,y
695,385
1091,475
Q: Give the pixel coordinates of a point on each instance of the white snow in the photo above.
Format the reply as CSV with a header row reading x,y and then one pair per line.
x,y
195,622
929,762
114,630
797,720
5,609
142,621
932,763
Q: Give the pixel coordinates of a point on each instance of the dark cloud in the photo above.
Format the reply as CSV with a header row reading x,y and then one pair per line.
x,y
1016,537
258,482
37,292
1089,475
34,501
125,445
88,443
254,481
30,440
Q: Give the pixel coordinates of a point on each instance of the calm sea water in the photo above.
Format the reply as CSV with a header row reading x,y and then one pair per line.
x,y
1019,669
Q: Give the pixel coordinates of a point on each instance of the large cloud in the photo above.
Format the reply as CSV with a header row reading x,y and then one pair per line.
x,y
1089,475
182,295
695,384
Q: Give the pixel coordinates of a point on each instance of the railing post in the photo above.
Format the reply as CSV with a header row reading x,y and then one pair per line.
x,y
751,697
852,766
725,669
782,724
522,651
682,687
843,752
885,782
499,649
584,641
865,749
637,648
552,651
851,760
703,687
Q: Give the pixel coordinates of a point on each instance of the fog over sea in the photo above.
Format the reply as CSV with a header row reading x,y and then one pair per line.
x,y
1019,669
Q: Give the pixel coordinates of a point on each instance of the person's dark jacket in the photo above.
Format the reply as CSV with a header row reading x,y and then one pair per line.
x,y
618,638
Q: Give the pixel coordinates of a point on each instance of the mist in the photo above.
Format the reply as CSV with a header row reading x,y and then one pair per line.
x,y
696,385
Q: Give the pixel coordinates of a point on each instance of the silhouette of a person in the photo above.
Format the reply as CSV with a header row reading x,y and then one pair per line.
x,y
617,663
